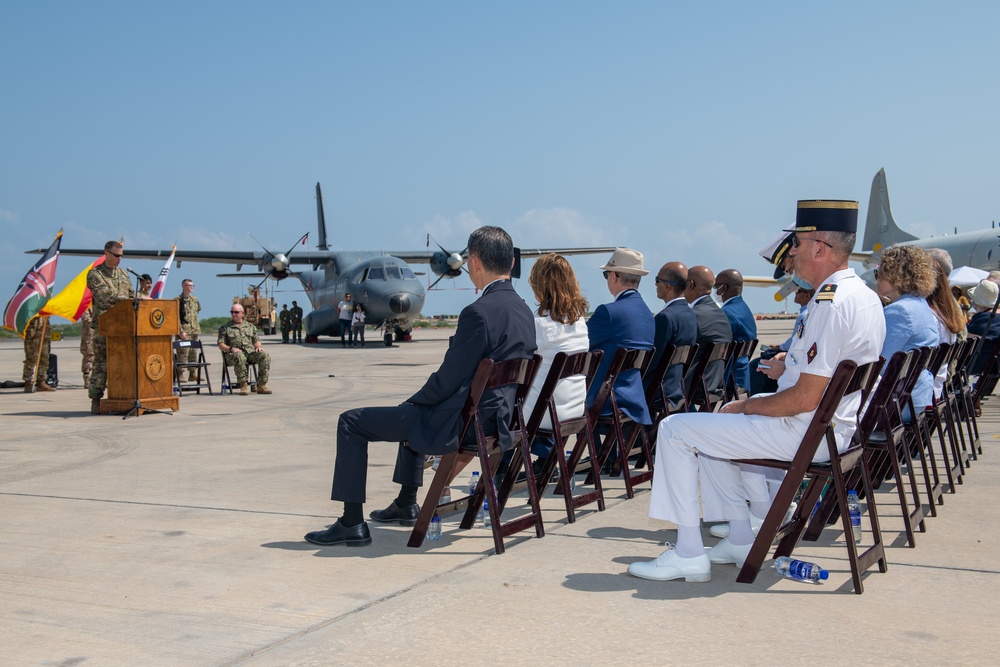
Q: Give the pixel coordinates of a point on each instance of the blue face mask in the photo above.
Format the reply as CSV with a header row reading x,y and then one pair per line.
x,y
801,283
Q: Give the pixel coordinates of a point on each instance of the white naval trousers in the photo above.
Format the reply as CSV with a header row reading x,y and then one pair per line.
x,y
695,446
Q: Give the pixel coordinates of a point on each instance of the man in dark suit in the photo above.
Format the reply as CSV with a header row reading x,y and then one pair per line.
x,y
625,322
675,324
713,325
729,287
499,326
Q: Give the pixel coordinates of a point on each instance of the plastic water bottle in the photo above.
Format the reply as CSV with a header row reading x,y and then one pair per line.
x,y
854,507
800,570
572,477
434,530
474,482
486,514
445,495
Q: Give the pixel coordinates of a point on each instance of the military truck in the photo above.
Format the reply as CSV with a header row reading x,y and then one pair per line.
x,y
261,311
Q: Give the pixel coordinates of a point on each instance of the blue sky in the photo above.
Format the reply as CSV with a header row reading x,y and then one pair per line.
x,y
685,131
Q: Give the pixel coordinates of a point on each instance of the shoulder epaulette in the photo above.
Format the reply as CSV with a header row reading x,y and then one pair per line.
x,y
826,293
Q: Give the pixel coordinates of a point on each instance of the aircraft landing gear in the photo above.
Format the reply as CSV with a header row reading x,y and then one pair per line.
x,y
387,339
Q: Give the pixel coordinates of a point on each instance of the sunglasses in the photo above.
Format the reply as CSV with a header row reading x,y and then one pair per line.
x,y
607,273
118,255
669,282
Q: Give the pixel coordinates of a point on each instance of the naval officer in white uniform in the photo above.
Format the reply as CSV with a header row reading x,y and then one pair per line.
x,y
845,321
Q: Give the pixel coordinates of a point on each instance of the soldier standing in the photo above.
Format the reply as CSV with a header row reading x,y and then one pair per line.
x,y
285,318
190,308
87,344
109,285
37,344
239,343
296,313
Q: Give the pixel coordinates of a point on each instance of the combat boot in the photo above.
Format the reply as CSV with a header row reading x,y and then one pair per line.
x,y
192,376
262,389
29,388
44,386
95,406
244,389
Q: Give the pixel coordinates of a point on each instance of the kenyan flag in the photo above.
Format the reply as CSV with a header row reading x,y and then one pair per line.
x,y
33,292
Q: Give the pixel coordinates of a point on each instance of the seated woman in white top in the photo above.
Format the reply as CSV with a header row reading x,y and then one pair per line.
x,y
559,327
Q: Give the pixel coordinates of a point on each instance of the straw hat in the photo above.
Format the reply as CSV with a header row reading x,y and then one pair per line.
x,y
626,260
985,294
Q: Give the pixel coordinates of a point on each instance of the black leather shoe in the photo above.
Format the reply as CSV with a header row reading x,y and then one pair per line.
x,y
338,533
404,516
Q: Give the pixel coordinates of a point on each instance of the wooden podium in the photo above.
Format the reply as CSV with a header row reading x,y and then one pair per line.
x,y
153,327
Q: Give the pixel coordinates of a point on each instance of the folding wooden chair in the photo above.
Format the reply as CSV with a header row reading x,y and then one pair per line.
x,y
889,447
700,397
938,417
616,422
918,436
180,367
563,366
740,348
489,375
847,379
962,390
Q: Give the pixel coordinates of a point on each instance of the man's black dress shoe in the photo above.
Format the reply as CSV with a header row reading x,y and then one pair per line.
x,y
338,533
404,516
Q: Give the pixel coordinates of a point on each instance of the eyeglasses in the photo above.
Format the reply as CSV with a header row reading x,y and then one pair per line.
x,y
119,255
607,273
797,241
669,282
235,312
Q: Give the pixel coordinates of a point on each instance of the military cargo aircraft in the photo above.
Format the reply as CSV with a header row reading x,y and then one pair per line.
x,y
382,281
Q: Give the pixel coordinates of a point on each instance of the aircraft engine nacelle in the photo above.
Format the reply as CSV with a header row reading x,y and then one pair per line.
x,y
446,264
324,321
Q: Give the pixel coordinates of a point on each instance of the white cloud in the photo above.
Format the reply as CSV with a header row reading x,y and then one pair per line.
x,y
555,227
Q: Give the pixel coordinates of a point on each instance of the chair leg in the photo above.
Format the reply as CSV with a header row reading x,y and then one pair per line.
x,y
429,508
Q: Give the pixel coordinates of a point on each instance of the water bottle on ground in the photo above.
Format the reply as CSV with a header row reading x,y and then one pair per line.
x,y
485,514
445,495
474,482
572,477
434,530
799,570
854,508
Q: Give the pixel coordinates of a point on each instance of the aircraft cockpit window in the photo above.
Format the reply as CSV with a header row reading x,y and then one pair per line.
x,y
375,273
392,273
407,273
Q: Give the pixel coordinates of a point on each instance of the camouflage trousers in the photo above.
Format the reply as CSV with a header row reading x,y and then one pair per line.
x,y
87,350
32,343
99,372
238,360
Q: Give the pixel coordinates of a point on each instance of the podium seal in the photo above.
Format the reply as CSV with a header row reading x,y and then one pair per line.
x,y
155,367
157,317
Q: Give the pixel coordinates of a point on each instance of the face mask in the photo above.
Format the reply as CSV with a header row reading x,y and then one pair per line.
x,y
715,296
801,283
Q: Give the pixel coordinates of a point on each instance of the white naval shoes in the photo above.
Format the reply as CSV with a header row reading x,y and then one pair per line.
x,y
669,565
721,530
727,552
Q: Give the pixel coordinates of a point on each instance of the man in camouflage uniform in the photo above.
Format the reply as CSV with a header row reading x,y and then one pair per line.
x,y
87,344
109,285
37,343
296,313
285,318
239,344
190,307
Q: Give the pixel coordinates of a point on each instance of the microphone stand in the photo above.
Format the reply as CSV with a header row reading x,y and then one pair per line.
x,y
137,408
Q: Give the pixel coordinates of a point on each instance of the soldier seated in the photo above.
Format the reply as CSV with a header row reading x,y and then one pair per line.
x,y
239,343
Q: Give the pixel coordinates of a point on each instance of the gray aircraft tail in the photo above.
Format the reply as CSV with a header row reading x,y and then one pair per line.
x,y
321,220
880,228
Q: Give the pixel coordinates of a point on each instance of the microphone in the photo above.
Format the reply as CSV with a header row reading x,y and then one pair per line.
x,y
129,269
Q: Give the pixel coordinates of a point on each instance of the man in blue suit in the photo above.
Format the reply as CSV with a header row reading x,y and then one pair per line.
x,y
729,287
625,322
675,324
498,326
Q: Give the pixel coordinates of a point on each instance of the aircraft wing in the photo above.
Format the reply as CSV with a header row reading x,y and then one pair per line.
x,y
784,284
427,256
238,257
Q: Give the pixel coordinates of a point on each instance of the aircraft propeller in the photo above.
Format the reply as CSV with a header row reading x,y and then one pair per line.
x,y
446,264
278,262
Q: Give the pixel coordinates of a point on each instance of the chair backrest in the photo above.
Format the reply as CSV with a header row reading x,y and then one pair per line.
x,y
492,374
656,398
187,345
624,360
740,348
563,366
698,391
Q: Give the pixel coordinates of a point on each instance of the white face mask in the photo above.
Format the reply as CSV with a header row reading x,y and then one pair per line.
x,y
715,296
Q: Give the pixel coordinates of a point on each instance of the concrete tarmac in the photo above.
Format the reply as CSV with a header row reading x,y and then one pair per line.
x,y
177,540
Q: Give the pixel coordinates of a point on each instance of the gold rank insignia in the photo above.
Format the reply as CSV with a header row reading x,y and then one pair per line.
x,y
826,292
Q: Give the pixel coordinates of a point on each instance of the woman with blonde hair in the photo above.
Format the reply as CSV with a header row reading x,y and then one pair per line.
x,y
907,276
950,321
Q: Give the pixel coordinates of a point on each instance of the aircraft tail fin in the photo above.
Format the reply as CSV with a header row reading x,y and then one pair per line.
x,y
321,220
881,230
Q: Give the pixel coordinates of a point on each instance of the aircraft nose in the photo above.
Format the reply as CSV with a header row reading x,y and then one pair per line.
x,y
399,304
